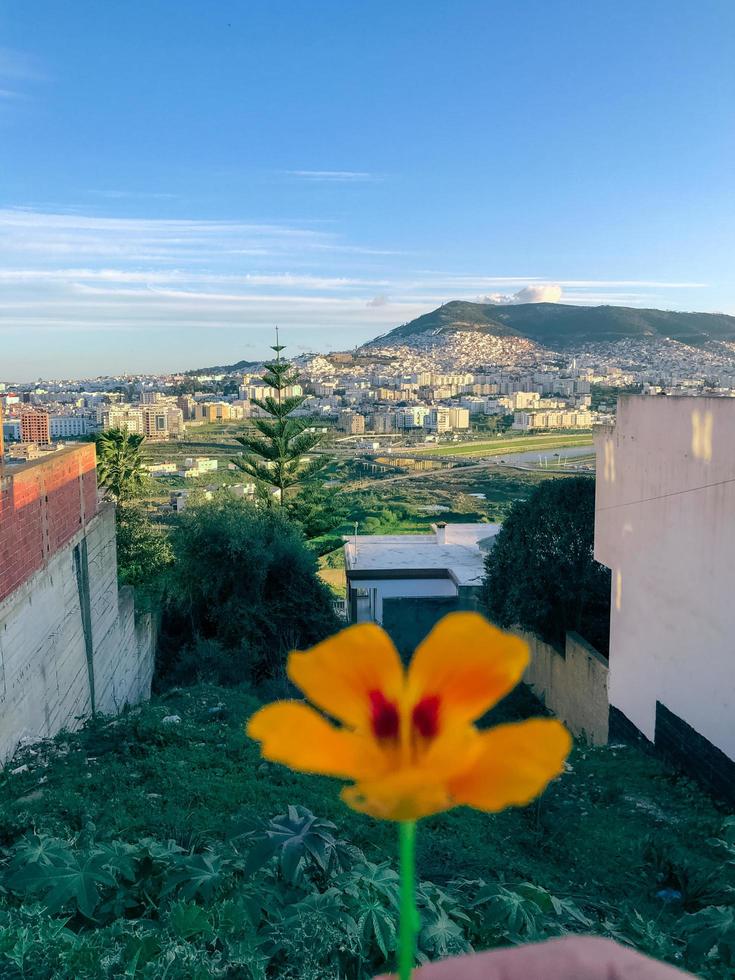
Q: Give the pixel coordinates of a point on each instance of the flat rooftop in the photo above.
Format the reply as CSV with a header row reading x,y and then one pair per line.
x,y
457,550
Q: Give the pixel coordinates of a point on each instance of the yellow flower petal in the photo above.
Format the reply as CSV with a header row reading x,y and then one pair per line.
x,y
297,736
407,794
338,674
450,753
469,664
515,764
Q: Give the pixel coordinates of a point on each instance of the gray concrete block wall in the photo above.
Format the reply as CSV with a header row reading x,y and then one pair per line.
x,y
573,684
44,666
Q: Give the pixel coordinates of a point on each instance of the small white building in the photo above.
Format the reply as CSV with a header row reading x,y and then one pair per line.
x,y
195,466
394,577
161,469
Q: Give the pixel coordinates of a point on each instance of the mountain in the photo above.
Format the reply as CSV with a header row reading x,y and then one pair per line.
x,y
558,325
227,368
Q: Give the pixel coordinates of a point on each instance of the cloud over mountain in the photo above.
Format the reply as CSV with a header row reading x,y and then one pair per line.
x,y
541,293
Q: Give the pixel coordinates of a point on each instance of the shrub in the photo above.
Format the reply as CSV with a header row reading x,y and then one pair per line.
x,y
143,551
541,573
242,591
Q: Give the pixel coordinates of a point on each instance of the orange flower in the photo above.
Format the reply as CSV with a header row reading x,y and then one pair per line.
x,y
406,738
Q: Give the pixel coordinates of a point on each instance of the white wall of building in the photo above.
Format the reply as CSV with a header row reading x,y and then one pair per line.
x,y
665,525
404,588
67,426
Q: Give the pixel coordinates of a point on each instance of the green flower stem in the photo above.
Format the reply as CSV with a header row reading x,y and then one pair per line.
x,y
409,913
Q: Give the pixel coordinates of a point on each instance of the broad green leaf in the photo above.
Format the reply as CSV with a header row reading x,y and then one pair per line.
x,y
187,919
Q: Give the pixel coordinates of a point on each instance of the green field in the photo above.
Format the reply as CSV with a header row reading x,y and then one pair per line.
x,y
514,444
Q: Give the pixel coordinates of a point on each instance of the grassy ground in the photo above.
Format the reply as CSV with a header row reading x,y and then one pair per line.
x,y
513,444
610,834
335,579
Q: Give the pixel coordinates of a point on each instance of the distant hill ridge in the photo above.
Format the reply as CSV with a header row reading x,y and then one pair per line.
x,y
558,325
225,368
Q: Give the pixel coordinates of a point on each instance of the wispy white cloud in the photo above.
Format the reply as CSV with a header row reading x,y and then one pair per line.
x,y
17,71
119,195
336,176
19,64
67,271
533,293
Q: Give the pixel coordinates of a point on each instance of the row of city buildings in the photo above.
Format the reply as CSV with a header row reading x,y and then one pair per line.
x,y
369,392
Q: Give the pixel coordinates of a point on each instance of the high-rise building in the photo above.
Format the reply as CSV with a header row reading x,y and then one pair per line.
x,y
459,418
162,421
411,417
188,406
384,422
35,427
438,420
351,422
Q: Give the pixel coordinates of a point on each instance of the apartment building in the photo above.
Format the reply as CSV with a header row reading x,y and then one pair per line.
x,y
524,399
213,411
261,391
441,419
411,417
383,422
160,421
351,422
526,421
35,427
188,406
69,426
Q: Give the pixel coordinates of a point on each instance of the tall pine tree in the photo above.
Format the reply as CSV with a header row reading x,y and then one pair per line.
x,y
279,451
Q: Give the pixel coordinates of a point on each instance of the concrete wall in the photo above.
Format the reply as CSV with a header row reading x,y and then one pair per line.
x,y
572,684
123,642
69,641
665,525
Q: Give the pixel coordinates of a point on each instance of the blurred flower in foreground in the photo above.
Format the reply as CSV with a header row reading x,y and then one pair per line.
x,y
406,737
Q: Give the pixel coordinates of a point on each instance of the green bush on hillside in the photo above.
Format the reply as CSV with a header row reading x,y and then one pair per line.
x,y
242,592
541,574
143,550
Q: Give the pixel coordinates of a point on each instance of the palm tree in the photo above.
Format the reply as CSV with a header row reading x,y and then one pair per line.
x,y
119,463
279,450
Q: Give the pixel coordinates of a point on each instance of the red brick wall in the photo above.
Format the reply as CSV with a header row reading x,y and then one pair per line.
x,y
42,506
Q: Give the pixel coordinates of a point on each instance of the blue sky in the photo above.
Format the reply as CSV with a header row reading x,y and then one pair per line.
x,y
177,176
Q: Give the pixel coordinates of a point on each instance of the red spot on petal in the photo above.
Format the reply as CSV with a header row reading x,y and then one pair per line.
x,y
383,715
425,716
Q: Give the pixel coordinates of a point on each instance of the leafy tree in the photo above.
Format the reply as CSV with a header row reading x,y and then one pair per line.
x,y
143,550
317,512
541,574
119,463
278,452
243,591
